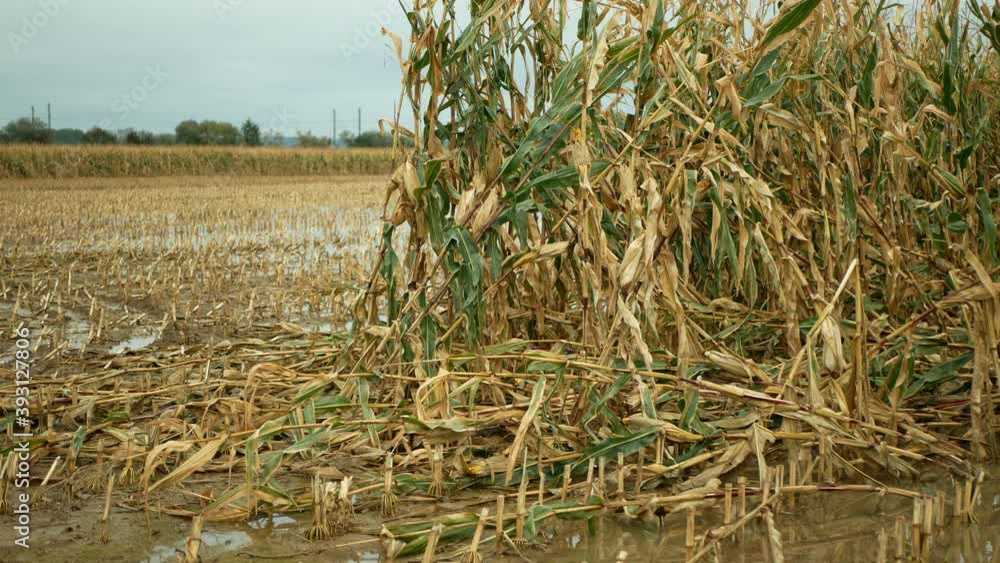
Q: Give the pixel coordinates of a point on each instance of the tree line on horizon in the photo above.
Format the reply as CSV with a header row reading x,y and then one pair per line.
x,y
189,132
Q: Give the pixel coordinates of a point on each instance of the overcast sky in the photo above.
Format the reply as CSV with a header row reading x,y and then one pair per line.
x,y
149,64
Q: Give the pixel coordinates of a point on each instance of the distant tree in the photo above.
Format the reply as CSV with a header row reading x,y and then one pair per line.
x,y
67,136
370,139
188,132
251,134
220,133
307,139
207,132
133,137
98,136
26,130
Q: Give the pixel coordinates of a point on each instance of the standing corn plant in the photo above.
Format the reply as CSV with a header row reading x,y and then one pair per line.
x,y
779,198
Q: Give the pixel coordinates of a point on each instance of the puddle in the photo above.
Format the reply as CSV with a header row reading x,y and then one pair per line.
x,y
77,333
327,328
134,343
819,528
275,532
210,541
826,528
273,521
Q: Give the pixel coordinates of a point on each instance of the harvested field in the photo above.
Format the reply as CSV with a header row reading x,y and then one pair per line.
x,y
101,262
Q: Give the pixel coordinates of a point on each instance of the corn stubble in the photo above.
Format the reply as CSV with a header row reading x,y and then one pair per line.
x,y
710,241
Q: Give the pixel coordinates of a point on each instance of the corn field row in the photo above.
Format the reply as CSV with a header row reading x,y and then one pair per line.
x,y
26,161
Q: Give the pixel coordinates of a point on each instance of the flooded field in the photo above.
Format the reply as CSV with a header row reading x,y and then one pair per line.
x,y
163,280
818,528
101,268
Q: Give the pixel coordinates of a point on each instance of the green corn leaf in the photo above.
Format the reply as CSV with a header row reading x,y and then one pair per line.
x,y
792,19
611,447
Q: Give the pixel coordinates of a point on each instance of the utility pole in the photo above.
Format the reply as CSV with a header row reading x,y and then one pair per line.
x,y
333,140
32,115
50,116
359,122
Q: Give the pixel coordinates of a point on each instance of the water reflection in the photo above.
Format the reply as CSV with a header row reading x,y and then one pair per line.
x,y
224,541
134,343
822,528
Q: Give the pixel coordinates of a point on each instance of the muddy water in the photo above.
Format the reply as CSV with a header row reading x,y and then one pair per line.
x,y
824,528
820,528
